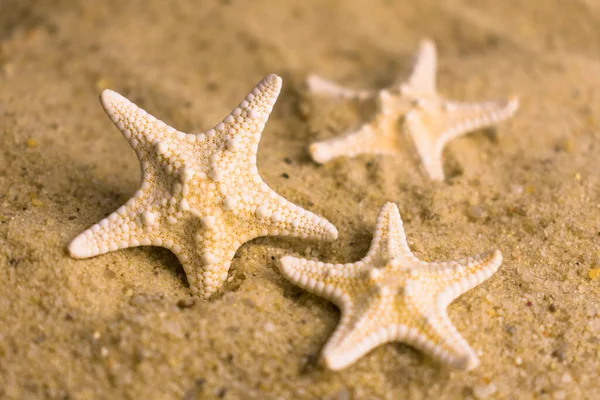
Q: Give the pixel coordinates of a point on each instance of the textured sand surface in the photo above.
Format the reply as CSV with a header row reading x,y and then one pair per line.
x,y
122,325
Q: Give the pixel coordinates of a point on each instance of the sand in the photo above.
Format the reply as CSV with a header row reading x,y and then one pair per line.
x,y
122,325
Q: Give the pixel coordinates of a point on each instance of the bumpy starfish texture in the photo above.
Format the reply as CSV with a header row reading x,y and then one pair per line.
x,y
390,295
429,119
201,195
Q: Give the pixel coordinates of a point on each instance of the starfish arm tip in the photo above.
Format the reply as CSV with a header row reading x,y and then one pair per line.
x,y
495,259
258,104
200,289
433,165
427,42
473,363
464,358
288,265
208,273
514,103
331,231
388,213
285,260
77,248
273,81
333,361
468,363
313,81
108,98
489,260
436,171
389,206
318,153
315,227
497,254
107,92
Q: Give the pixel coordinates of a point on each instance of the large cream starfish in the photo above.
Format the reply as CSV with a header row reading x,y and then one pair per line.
x,y
429,119
390,295
201,194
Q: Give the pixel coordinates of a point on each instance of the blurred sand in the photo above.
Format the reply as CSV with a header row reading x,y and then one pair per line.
x,y
121,325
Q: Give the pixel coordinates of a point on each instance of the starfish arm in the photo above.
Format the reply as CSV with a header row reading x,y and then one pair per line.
x,y
142,130
214,259
423,137
376,137
134,224
460,276
438,337
330,281
240,132
459,118
431,129
325,87
363,326
282,217
389,240
422,79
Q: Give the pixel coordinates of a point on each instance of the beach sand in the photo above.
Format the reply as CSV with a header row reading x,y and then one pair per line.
x,y
123,325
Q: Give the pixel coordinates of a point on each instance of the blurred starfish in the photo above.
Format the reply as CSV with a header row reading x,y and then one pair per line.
x,y
201,195
431,120
390,295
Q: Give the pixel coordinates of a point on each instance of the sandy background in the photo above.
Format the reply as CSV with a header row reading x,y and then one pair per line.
x,y
122,325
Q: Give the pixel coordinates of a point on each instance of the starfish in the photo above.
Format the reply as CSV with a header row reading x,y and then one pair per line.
x,y
201,195
390,295
429,119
